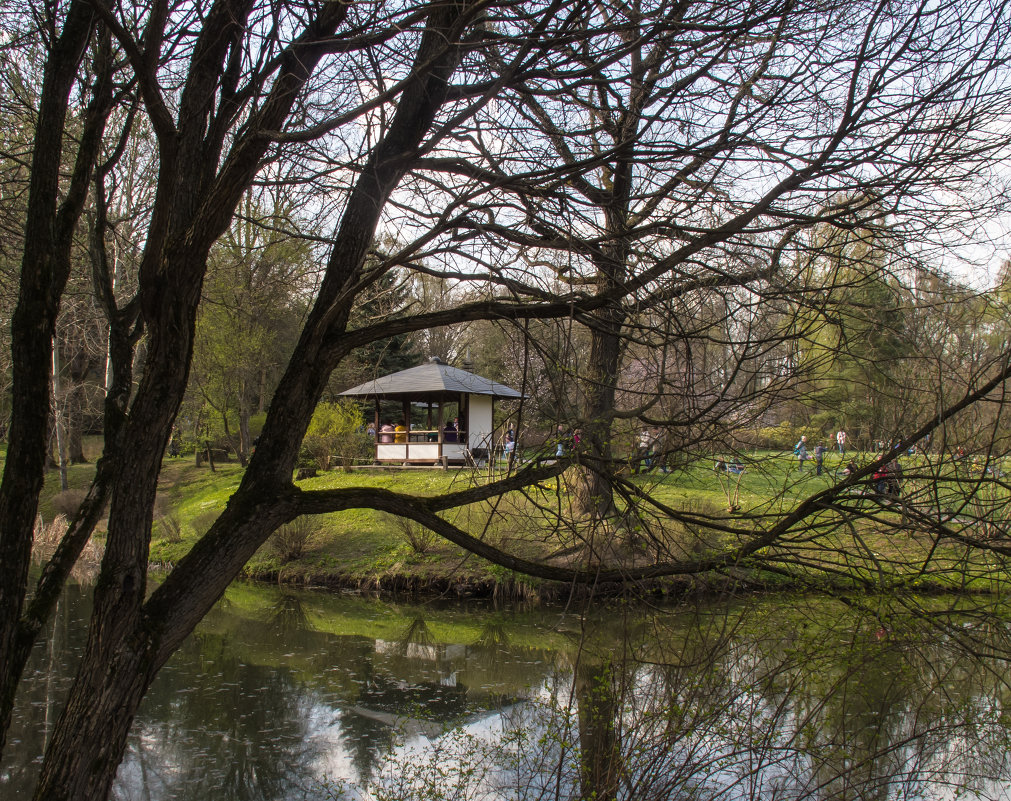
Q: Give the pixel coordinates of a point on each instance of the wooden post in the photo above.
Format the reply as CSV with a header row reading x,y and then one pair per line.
x,y
406,409
439,423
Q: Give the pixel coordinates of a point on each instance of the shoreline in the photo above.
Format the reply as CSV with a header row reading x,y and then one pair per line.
x,y
516,589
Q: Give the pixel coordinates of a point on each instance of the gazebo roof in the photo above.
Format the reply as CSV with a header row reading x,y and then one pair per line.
x,y
433,380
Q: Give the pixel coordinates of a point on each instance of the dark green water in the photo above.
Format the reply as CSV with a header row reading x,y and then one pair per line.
x,y
290,695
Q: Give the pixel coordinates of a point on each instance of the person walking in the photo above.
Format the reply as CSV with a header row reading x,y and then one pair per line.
x,y
819,458
800,451
509,445
840,440
642,452
560,441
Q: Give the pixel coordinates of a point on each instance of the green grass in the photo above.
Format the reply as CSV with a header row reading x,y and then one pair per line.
x,y
366,546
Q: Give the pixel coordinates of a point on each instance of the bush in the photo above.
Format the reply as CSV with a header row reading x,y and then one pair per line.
x,y
68,502
170,527
337,429
203,521
292,539
780,438
48,537
355,447
166,519
421,539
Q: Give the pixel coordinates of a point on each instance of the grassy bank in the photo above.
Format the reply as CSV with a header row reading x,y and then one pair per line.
x,y
368,550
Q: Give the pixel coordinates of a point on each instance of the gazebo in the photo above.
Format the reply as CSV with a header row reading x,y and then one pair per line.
x,y
435,385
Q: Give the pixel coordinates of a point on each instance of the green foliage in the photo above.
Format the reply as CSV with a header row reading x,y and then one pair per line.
x,y
780,437
365,546
858,350
248,324
337,429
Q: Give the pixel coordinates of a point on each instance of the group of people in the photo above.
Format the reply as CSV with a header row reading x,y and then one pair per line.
x,y
887,478
650,452
801,452
734,466
390,434
565,440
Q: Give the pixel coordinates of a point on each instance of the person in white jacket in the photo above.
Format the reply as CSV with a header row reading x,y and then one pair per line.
x,y
800,451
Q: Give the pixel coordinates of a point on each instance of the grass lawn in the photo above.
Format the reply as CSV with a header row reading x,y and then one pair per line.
x,y
874,545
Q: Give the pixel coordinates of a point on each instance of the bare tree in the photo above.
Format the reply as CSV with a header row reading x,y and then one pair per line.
x,y
697,142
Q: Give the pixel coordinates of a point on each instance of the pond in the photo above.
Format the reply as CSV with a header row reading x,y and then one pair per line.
x,y
282,694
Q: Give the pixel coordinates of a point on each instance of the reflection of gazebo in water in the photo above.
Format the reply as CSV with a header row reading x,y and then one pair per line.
x,y
435,385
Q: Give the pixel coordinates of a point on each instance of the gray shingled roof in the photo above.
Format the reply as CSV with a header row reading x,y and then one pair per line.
x,y
431,379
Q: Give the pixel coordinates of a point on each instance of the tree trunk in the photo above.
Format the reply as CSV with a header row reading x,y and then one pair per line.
x,y
118,662
75,437
595,489
79,367
129,639
599,749
244,440
44,270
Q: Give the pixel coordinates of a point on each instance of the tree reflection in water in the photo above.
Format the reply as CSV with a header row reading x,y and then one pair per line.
x,y
740,705
761,702
242,734
288,615
769,699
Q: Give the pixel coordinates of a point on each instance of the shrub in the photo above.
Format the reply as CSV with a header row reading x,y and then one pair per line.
x,y
203,521
337,429
355,447
171,528
781,437
48,537
292,539
422,540
68,502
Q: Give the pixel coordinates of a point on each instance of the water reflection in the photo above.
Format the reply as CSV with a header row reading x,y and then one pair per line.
x,y
279,692
221,727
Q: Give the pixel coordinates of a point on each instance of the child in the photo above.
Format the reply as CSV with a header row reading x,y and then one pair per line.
x,y
819,458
